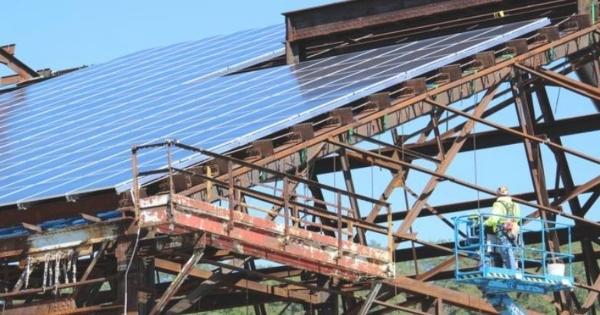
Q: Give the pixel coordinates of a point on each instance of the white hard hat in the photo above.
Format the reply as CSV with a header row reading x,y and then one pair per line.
x,y
502,191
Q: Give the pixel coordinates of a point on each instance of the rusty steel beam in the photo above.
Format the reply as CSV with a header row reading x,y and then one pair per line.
x,y
581,88
590,74
406,107
230,280
366,305
525,112
196,295
313,23
560,157
592,184
59,286
177,282
449,296
432,296
485,140
7,58
520,134
222,243
454,17
58,306
463,183
218,300
346,171
91,265
59,208
434,25
436,269
466,205
82,237
315,288
496,138
446,159
262,242
591,297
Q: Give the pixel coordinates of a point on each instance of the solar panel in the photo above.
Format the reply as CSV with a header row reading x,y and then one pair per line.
x,y
74,134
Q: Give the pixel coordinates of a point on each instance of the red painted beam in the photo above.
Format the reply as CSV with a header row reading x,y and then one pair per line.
x,y
264,238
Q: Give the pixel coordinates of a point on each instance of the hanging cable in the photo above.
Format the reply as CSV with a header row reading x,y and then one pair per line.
x,y
475,172
556,102
135,245
475,162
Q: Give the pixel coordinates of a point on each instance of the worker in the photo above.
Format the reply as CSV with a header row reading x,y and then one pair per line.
x,y
502,229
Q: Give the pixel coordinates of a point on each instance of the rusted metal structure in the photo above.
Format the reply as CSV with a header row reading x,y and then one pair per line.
x,y
23,74
189,240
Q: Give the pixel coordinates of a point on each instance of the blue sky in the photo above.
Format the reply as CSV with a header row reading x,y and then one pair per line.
x,y
68,33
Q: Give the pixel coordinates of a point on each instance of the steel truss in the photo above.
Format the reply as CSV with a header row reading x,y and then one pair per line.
x,y
191,242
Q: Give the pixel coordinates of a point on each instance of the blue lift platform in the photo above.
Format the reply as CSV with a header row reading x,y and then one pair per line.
x,y
539,269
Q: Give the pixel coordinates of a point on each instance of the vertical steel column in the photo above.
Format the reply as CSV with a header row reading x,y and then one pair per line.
x,y
534,160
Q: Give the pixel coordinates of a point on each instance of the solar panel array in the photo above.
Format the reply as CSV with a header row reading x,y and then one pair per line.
x,y
73,134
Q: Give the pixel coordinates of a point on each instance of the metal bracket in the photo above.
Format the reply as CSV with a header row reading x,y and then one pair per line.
x,y
342,116
417,86
451,72
303,132
262,148
518,46
379,101
486,59
549,34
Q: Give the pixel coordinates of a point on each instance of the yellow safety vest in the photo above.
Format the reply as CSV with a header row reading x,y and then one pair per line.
x,y
504,206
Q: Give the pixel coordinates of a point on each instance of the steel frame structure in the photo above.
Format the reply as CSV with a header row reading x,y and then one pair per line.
x,y
177,250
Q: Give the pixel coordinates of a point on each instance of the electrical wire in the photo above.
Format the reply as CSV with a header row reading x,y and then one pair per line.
x,y
135,245
475,173
475,163
557,99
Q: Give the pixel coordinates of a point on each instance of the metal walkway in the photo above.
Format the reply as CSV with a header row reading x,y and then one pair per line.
x,y
250,235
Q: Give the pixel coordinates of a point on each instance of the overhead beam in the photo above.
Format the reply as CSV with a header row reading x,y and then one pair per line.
x,y
177,282
446,159
485,140
16,65
463,183
520,134
466,205
563,81
238,283
591,297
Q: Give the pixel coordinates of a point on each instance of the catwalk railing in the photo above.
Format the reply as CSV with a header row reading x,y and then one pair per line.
x,y
268,220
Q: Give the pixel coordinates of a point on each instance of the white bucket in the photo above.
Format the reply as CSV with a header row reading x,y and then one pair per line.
x,y
556,269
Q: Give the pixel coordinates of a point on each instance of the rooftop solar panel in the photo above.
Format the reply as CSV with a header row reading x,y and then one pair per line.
x,y
73,134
